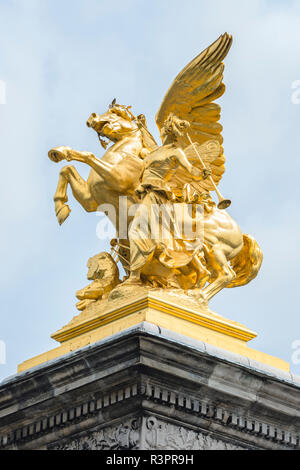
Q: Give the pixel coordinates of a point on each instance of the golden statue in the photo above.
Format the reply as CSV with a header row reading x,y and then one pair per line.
x,y
177,246
166,187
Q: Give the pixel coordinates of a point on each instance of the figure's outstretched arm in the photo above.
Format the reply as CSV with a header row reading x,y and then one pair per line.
x,y
192,170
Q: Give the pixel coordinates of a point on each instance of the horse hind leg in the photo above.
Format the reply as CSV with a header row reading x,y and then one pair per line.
x,y
203,274
80,190
225,273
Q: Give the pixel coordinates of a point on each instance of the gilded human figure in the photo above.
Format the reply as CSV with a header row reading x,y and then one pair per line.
x,y
156,193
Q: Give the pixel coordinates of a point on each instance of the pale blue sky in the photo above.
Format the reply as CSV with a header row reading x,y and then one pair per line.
x,y
62,60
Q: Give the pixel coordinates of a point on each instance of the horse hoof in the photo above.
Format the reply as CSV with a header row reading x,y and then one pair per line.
x,y
58,154
200,296
63,214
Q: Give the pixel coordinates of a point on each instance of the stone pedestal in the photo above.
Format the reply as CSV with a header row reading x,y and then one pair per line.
x,y
148,387
173,310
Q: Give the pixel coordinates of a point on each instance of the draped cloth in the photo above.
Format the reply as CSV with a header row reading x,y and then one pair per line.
x,y
168,223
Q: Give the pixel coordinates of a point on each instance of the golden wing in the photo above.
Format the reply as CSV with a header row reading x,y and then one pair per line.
x,y
191,97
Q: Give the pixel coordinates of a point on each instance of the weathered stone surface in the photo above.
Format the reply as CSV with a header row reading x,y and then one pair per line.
x,y
146,433
148,388
123,436
160,435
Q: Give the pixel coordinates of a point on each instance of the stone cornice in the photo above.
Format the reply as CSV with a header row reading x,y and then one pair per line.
x,y
152,370
56,424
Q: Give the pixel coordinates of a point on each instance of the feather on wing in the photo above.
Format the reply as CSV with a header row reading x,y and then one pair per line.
x,y
191,97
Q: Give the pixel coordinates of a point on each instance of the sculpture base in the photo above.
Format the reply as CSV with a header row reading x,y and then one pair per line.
x,y
173,310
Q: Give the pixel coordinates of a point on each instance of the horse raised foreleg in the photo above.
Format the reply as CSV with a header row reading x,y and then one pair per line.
x,y
58,154
120,179
80,190
62,210
225,273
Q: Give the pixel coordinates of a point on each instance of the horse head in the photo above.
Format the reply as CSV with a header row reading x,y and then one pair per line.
x,y
115,124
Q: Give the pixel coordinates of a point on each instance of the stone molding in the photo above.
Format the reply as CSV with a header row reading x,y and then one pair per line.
x,y
144,372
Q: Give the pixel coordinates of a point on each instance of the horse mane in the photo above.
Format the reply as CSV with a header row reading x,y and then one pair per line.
x,y
147,138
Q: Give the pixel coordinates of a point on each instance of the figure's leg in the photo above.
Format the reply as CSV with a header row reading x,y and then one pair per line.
x,y
225,273
142,246
80,190
134,277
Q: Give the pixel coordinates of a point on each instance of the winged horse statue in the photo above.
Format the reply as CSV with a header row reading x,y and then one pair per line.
x,y
227,257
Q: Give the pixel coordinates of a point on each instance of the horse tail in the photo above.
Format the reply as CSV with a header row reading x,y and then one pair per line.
x,y
247,263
